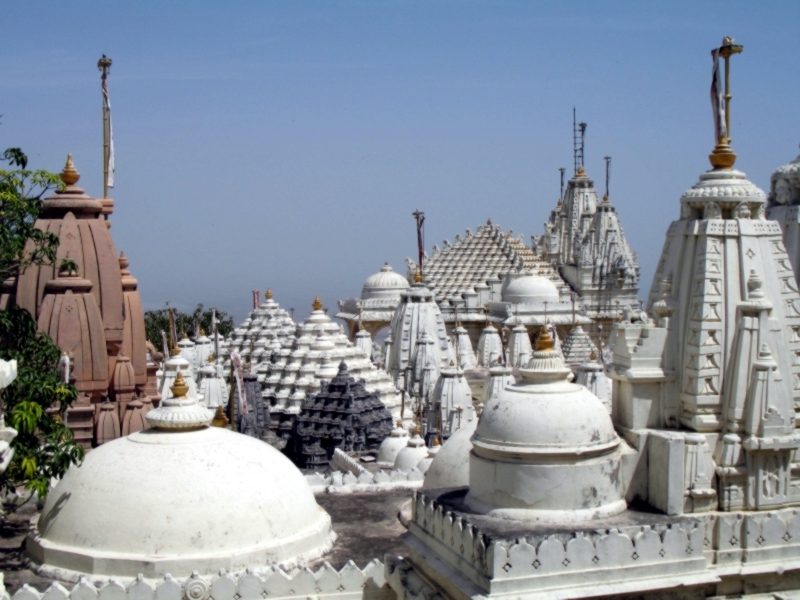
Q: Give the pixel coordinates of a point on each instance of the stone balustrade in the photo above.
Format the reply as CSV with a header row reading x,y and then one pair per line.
x,y
695,550
345,482
348,584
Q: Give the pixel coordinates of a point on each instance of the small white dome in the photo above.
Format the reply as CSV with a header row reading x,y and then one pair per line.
x,y
391,446
409,457
384,284
530,288
425,463
160,502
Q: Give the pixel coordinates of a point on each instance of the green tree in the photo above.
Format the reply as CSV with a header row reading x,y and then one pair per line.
x,y
156,321
34,405
36,400
21,192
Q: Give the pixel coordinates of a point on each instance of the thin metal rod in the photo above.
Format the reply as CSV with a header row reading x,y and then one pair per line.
x,y
419,216
104,64
232,402
728,97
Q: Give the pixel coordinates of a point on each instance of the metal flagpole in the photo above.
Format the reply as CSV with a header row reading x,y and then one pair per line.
x,y
216,337
104,64
419,216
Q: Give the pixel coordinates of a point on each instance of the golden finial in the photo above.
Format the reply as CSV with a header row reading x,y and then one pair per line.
x,y
68,174
545,341
174,351
436,442
179,388
489,222
417,430
184,336
317,305
592,356
418,276
211,358
268,295
219,420
399,423
605,197
581,172
202,331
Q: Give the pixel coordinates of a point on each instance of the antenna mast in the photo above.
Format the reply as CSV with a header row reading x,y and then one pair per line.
x,y
561,193
419,216
608,175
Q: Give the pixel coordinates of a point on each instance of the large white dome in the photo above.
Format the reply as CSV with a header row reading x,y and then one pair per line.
x,y
386,283
160,502
450,466
529,288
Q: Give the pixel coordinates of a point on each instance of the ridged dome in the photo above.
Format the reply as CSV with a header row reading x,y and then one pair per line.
x,y
386,283
529,288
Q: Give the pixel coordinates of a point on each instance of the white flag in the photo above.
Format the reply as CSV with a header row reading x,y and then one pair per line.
x,y
107,107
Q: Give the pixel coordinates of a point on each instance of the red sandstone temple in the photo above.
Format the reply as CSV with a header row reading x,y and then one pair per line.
x,y
94,315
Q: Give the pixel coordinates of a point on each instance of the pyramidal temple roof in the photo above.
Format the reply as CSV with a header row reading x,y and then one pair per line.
x,y
474,258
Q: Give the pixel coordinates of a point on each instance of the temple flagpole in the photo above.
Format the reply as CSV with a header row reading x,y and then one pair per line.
x,y
723,156
104,65
419,216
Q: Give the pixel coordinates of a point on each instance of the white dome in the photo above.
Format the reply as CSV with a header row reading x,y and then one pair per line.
x,y
160,502
450,466
530,288
391,446
384,284
566,420
425,463
408,458
545,449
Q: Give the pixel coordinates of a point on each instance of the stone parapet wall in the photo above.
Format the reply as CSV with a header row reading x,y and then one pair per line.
x,y
348,584
346,482
715,549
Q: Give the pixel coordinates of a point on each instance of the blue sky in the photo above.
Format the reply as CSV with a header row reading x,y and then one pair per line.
x,y
285,145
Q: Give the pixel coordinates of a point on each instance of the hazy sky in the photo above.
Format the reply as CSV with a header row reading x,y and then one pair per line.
x,y
285,145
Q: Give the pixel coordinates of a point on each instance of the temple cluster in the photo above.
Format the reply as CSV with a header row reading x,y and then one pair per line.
x,y
547,434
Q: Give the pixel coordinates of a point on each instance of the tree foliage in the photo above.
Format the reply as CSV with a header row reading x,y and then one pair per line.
x,y
21,192
36,400
156,321
34,404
